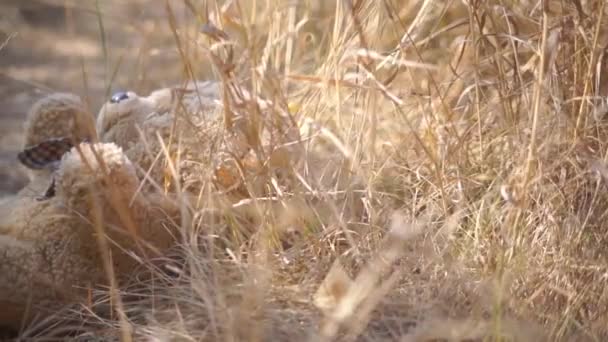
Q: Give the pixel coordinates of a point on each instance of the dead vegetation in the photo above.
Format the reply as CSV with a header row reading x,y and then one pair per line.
x,y
457,190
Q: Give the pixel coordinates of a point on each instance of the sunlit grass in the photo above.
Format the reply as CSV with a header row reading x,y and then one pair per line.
x,y
453,186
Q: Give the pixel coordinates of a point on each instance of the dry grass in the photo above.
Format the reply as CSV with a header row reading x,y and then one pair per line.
x,y
465,193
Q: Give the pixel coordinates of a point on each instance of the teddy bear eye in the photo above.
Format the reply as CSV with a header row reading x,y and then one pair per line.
x,y
119,96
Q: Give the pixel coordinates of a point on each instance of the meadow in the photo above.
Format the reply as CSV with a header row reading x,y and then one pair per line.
x,y
463,195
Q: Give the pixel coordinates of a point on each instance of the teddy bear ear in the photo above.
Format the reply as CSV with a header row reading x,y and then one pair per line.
x,y
56,116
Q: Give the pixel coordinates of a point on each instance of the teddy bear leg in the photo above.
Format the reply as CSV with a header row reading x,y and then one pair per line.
x,y
29,289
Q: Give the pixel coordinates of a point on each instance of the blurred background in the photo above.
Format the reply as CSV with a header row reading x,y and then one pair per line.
x,y
79,47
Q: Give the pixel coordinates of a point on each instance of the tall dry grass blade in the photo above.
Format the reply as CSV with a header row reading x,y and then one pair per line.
x,y
104,249
580,118
538,94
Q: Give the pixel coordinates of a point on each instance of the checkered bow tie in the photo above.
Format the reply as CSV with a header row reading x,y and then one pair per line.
x,y
45,154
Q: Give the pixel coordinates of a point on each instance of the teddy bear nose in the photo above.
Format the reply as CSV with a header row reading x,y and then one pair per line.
x,y
119,96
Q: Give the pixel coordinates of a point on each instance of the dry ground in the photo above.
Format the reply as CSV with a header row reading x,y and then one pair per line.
x,y
474,131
